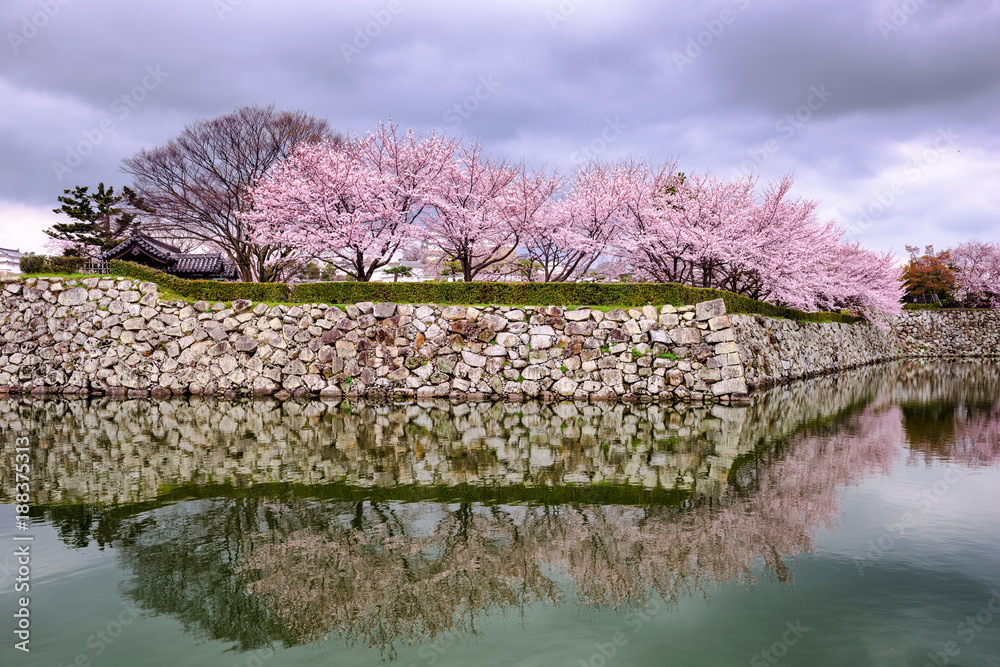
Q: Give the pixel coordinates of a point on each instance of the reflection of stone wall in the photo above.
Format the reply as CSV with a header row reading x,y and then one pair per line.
x,y
128,450
105,336
377,573
107,450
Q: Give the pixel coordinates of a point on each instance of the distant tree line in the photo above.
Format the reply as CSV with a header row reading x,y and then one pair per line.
x,y
967,275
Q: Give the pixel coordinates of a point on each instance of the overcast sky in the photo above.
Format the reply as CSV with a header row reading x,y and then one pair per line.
x,y
888,112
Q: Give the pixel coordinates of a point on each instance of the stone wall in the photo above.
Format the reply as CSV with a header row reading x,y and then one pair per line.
x,y
775,351
118,337
948,333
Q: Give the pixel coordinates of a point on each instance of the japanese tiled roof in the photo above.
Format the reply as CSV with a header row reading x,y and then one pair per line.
x,y
179,263
210,263
155,248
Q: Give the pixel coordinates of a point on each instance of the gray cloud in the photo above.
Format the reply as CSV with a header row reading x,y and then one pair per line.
x,y
721,86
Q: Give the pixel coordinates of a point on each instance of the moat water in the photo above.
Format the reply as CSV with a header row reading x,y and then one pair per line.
x,y
846,520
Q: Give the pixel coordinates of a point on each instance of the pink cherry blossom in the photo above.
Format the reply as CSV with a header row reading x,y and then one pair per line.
x,y
977,273
354,205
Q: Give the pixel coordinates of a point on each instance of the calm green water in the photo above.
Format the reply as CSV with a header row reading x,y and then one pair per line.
x,y
849,520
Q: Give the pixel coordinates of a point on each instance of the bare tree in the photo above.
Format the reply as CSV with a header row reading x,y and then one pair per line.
x,y
198,182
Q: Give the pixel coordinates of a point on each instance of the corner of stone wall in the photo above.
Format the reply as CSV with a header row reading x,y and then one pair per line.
x,y
725,364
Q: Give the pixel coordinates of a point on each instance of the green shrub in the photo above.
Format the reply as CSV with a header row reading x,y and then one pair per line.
x,y
542,294
202,290
921,306
624,295
65,264
43,264
33,263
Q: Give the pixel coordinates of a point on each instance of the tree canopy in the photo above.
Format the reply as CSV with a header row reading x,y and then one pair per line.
x,y
101,219
199,181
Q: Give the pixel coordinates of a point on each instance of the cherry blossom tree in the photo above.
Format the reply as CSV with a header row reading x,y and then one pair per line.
x,y
478,214
699,230
360,204
977,273
354,205
856,279
572,233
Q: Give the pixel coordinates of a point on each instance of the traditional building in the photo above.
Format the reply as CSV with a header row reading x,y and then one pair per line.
x,y
10,260
156,254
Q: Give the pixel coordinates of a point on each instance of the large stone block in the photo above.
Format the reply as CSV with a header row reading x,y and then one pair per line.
x,y
565,387
611,376
575,328
616,315
731,386
474,360
717,323
723,336
534,372
508,340
541,342
726,348
706,310
245,344
659,336
74,296
685,336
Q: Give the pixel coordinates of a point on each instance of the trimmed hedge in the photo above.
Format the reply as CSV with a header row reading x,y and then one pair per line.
x,y
33,263
541,294
202,290
43,264
514,294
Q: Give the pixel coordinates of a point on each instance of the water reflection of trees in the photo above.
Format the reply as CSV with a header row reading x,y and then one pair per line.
x,y
257,568
951,411
295,570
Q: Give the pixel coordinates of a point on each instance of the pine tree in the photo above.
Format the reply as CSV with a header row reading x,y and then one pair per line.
x,y
99,221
